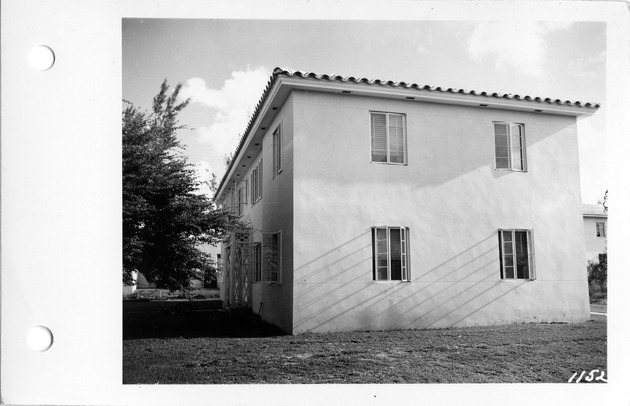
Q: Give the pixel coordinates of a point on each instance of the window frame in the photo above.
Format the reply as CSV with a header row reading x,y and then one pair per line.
x,y
256,182
405,270
602,233
257,262
277,150
278,270
404,143
531,258
523,148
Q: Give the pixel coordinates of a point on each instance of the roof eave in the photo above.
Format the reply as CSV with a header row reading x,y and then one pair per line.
x,y
287,82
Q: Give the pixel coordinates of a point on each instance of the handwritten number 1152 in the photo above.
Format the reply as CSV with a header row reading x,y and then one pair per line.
x,y
590,377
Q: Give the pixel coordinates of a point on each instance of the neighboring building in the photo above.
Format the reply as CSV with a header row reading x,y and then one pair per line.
x,y
379,205
595,229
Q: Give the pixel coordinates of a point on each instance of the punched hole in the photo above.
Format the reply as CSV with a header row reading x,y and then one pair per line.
x,y
41,58
39,338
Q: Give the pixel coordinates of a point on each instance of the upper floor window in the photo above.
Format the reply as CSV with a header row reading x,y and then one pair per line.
x,y
255,180
389,138
509,146
277,151
601,228
236,198
516,254
390,246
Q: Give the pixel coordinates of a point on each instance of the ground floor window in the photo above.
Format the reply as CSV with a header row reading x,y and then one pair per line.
x,y
390,246
271,257
516,254
256,262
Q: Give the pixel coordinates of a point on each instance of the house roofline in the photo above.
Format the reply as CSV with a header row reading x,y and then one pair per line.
x,y
293,80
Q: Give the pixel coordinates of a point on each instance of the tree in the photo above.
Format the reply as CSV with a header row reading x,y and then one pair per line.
x,y
165,218
598,277
227,159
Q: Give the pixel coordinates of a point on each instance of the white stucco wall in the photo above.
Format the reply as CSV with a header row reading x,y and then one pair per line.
x,y
594,245
274,213
453,202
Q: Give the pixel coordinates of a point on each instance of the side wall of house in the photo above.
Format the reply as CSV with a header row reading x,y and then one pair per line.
x,y
452,200
273,213
594,245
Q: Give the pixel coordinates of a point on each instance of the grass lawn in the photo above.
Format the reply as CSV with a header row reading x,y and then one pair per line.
x,y
513,353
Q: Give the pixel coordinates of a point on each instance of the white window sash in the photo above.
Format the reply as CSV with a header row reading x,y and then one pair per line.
x,y
404,253
516,155
388,137
531,270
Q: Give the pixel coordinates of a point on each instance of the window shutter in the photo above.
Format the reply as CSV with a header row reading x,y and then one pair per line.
x,y
379,137
501,146
396,138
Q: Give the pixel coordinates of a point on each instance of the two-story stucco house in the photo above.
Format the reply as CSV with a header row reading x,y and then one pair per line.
x,y
595,229
380,205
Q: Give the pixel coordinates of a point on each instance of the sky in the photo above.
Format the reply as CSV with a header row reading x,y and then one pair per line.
x,y
225,64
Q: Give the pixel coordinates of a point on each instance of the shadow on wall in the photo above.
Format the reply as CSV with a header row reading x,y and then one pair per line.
x,y
338,291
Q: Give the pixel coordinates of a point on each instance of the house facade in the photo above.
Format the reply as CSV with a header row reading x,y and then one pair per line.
x,y
378,205
595,230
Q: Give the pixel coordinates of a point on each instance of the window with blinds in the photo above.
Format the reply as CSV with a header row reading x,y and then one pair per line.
x,y
390,246
516,254
388,138
255,181
509,146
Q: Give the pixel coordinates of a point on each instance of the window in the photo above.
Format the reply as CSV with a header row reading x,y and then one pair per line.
x,y
277,151
256,183
242,195
256,263
509,146
601,228
388,138
271,256
516,254
390,246
237,198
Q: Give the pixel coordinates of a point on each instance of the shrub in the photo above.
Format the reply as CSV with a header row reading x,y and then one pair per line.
x,y
598,278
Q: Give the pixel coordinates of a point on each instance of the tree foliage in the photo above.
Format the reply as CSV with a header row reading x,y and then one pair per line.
x,y
598,277
598,271
165,217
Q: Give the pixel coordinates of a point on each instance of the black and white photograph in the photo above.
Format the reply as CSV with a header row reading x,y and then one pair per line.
x,y
373,201
314,202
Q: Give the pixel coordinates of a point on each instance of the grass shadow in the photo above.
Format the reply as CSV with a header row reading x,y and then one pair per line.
x,y
191,319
